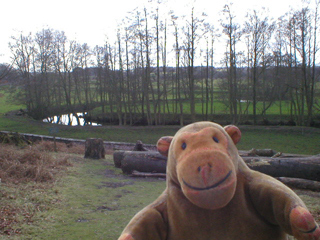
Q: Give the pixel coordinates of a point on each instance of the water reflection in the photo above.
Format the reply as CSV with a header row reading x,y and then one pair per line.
x,y
71,120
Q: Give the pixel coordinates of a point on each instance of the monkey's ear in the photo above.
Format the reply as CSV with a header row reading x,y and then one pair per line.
x,y
234,132
163,145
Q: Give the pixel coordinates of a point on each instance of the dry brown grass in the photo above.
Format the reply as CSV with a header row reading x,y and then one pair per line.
x,y
48,146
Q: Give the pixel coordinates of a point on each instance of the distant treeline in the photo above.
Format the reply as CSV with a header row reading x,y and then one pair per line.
x,y
131,80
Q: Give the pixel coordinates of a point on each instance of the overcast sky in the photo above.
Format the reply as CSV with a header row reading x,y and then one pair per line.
x,y
90,21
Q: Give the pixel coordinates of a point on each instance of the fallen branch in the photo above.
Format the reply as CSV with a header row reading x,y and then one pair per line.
x,y
145,174
262,152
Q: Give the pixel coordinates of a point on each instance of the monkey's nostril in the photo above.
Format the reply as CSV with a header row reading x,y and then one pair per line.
x,y
199,169
209,164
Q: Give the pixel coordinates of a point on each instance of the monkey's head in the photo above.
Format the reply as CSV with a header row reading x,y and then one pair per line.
x,y
203,162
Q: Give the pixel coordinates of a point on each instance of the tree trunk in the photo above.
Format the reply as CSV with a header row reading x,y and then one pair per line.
x,y
150,161
94,148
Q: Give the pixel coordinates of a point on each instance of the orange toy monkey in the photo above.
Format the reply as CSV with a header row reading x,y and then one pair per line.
x,y
212,195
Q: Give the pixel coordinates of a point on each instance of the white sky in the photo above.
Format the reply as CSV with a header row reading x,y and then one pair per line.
x,y
90,21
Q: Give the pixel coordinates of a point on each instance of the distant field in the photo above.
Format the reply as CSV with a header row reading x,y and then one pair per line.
x,y
5,104
220,107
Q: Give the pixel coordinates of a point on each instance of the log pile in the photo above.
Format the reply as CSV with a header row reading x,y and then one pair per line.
x,y
296,171
140,161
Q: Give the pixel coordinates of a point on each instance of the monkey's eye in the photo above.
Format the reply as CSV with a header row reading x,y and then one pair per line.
x,y
183,146
215,139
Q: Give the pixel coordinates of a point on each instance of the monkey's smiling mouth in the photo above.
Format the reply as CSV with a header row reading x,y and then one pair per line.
x,y
209,187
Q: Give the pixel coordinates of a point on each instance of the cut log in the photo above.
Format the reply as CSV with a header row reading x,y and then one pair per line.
x,y
150,161
305,168
94,148
300,183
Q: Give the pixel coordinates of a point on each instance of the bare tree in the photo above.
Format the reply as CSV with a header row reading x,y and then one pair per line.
x,y
210,38
192,33
23,51
279,58
259,31
100,55
233,33
177,68
62,66
302,34
5,69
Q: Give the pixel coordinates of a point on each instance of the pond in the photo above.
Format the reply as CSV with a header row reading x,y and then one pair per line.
x,y
71,120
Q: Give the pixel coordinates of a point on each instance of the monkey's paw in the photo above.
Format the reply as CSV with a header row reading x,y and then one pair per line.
x,y
304,227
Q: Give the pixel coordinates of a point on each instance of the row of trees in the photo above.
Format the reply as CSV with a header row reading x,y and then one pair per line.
x,y
162,65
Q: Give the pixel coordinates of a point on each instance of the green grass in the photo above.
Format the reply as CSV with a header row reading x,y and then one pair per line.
x,y
5,104
281,139
92,205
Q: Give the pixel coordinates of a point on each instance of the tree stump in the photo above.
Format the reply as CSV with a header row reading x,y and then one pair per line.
x,y
94,148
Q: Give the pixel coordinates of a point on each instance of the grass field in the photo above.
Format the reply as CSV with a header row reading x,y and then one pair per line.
x,y
221,108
